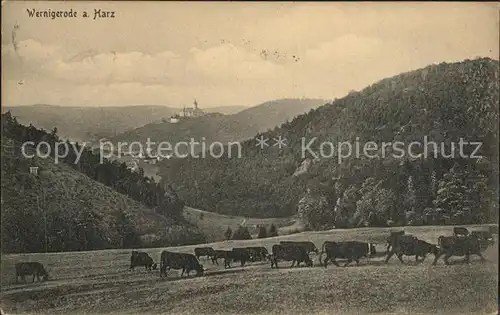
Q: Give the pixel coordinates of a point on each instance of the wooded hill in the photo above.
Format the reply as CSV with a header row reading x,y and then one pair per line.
x,y
445,102
84,205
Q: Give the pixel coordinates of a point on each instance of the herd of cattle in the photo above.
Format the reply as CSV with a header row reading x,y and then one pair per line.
x,y
461,243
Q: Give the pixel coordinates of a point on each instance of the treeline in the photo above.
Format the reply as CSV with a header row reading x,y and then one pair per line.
x,y
242,232
444,102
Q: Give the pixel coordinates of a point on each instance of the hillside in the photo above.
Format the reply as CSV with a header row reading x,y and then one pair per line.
x,y
226,110
76,212
445,102
273,113
223,128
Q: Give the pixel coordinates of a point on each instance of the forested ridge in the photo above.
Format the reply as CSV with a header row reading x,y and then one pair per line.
x,y
84,205
444,102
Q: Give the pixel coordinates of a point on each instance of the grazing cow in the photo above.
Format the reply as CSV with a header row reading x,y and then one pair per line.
x,y
258,253
236,254
204,251
240,254
141,259
350,250
410,246
460,231
290,252
225,254
458,246
31,268
308,246
186,262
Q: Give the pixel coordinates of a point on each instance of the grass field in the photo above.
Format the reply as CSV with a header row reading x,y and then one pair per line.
x,y
213,225
100,282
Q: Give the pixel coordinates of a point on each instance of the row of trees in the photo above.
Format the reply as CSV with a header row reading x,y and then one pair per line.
x,y
458,197
242,232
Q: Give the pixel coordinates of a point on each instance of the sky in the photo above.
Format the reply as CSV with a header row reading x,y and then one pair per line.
x,y
228,53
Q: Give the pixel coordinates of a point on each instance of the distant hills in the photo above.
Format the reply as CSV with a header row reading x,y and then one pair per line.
x,y
223,128
91,123
445,102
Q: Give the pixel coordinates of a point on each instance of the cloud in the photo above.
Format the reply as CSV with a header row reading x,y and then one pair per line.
x,y
214,53
345,49
115,67
229,62
224,63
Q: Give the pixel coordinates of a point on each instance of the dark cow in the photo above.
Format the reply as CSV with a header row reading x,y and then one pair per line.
x,y
409,245
258,253
224,254
308,246
460,231
31,268
204,251
236,254
240,254
141,259
290,252
350,250
186,262
459,246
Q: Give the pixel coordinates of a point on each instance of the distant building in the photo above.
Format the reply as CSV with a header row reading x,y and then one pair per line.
x,y
191,111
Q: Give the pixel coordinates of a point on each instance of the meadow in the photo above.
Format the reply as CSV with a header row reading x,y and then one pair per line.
x,y
214,225
99,282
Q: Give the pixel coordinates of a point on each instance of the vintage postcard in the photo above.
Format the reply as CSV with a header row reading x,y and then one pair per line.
x,y
249,157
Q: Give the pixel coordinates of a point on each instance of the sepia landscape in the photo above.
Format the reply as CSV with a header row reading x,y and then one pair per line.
x,y
244,158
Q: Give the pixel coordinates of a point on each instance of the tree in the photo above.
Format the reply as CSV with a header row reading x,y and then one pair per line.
x,y
315,212
273,231
228,234
410,204
262,232
242,233
463,197
346,207
126,230
454,197
375,206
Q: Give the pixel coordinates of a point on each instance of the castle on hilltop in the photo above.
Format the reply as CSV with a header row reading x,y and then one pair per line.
x,y
187,112
191,111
